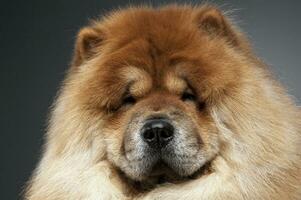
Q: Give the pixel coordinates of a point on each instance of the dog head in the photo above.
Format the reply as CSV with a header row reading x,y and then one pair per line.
x,y
152,78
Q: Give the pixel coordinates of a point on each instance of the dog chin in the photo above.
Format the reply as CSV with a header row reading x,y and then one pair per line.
x,y
162,172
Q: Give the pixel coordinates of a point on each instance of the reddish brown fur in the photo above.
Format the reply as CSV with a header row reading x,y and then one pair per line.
x,y
164,52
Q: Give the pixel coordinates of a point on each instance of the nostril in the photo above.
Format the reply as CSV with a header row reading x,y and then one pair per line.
x,y
166,134
149,135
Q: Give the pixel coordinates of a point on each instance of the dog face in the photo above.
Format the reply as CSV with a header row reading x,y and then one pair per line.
x,y
156,122
154,82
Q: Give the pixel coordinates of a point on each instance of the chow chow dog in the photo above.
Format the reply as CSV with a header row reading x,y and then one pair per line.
x,y
169,103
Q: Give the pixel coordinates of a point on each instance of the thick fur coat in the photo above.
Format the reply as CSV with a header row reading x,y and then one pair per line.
x,y
243,125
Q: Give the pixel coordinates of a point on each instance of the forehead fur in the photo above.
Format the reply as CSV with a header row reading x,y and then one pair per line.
x,y
151,33
167,29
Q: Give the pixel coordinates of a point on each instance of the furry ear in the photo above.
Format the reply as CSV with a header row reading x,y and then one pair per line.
x,y
88,39
212,21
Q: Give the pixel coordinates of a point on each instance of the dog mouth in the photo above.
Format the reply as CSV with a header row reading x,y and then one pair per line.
x,y
162,174
163,169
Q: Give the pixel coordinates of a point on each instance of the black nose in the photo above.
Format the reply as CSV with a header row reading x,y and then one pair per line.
x,y
157,132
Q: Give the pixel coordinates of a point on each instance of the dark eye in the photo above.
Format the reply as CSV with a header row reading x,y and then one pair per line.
x,y
202,105
128,100
188,96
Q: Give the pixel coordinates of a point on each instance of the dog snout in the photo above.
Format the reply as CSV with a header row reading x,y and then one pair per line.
x,y
157,132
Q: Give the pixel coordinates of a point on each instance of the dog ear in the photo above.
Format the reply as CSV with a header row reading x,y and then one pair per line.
x,y
88,39
213,22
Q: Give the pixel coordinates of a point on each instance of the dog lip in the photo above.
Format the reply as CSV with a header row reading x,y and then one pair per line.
x,y
163,173
159,168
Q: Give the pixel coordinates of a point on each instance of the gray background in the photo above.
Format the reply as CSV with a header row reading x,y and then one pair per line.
x,y
36,41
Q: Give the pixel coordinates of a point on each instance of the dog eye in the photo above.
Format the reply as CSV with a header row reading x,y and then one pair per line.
x,y
128,100
188,96
202,105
